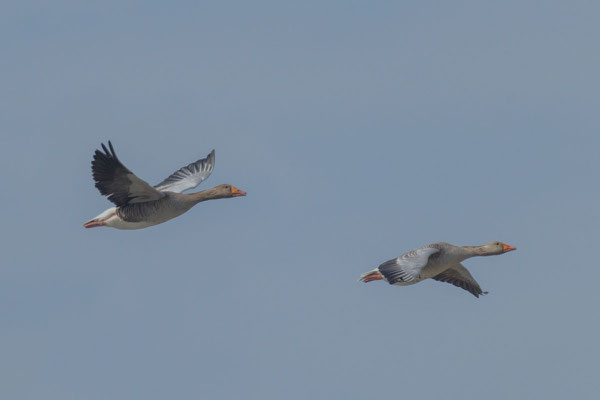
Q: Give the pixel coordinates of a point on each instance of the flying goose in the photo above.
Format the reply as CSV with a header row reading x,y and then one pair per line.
x,y
139,205
439,261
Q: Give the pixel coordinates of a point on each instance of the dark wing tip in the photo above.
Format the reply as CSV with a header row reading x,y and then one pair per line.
x,y
112,150
210,160
106,149
109,152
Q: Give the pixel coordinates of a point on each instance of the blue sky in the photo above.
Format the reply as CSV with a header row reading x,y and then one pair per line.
x,y
360,130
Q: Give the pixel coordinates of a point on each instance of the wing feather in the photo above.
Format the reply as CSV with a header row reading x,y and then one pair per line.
x,y
188,177
460,277
115,180
408,266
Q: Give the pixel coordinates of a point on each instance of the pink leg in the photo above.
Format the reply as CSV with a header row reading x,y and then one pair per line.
x,y
94,223
373,276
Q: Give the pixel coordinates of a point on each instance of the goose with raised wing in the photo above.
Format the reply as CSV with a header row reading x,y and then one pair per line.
x,y
139,205
439,261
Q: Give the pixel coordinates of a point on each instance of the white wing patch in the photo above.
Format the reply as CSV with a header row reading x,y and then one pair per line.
x,y
188,177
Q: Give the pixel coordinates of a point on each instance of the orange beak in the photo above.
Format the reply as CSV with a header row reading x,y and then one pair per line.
x,y
507,248
235,192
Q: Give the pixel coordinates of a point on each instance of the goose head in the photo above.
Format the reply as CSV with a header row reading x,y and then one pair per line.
x,y
225,190
494,248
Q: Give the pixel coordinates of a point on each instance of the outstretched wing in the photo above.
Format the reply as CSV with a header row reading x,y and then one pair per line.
x,y
459,276
189,176
114,180
408,266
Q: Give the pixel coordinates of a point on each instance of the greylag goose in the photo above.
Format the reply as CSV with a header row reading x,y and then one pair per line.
x,y
439,261
139,205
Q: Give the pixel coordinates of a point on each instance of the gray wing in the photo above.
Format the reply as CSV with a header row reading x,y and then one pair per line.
x,y
459,276
114,180
408,266
189,176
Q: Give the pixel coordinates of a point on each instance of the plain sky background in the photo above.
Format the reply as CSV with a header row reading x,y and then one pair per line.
x,y
360,130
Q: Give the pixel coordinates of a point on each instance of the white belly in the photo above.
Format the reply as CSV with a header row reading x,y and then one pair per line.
x,y
117,222
111,219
